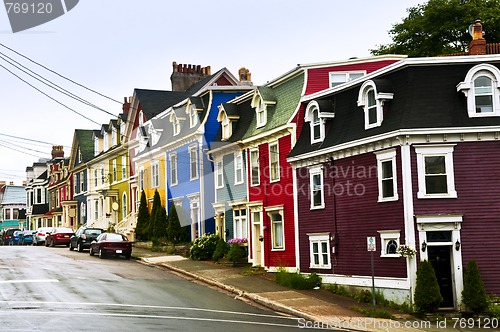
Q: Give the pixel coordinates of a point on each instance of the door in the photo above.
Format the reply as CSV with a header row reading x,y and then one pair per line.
x,y
257,254
439,256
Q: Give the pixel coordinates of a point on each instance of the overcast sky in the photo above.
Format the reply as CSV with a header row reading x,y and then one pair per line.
x,y
114,46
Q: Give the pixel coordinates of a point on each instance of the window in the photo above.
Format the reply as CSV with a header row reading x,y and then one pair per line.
x,y
96,146
238,167
193,162
103,178
316,187
219,180
193,116
124,205
79,155
372,102
435,171
141,179
319,248
343,77
124,167
115,172
38,196
387,183
261,111
240,223
114,136
274,165
96,209
389,243
482,89
82,182
173,169
176,123
96,176
106,142
254,167
277,230
226,128
155,174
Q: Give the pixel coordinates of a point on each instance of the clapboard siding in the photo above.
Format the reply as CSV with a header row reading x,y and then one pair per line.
x,y
477,182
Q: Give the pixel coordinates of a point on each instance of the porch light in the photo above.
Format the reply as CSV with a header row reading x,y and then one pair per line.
x,y
457,245
424,246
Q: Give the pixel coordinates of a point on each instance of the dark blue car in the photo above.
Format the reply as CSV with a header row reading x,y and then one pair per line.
x,y
14,239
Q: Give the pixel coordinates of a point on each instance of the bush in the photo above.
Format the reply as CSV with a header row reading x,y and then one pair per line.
x,y
427,294
220,250
203,248
297,280
474,294
236,253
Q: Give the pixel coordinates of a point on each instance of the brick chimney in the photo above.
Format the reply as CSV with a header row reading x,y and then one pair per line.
x,y
477,45
185,75
57,151
245,76
126,105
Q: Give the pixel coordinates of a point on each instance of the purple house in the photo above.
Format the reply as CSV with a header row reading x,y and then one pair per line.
x,y
407,155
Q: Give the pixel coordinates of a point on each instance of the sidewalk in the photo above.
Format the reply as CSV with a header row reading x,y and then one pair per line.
x,y
315,308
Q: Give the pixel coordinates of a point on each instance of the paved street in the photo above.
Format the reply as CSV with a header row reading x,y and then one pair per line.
x,y
53,289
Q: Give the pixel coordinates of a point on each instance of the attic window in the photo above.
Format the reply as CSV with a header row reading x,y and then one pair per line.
x,y
482,89
226,128
372,102
193,116
176,124
316,120
337,78
261,111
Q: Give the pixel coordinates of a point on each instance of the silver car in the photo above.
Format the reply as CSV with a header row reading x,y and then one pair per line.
x,y
40,235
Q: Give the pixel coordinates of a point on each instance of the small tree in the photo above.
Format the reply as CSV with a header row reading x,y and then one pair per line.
x,y
427,294
175,233
156,221
474,294
142,227
220,250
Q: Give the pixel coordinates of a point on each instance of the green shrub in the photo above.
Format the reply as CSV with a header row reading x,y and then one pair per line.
x,y
297,280
474,294
220,250
203,248
427,294
236,253
338,289
364,296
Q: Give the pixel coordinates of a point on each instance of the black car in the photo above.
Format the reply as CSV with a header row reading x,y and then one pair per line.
x,y
7,235
83,237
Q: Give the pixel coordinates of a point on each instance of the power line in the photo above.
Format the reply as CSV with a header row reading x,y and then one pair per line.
x,y
9,147
27,139
56,73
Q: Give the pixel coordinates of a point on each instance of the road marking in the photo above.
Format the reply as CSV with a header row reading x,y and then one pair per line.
x,y
149,307
153,316
27,280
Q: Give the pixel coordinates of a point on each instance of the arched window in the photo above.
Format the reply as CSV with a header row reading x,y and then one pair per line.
x,y
124,205
482,89
372,102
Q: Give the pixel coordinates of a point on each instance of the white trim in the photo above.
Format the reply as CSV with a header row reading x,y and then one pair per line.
x,y
347,76
219,171
445,150
384,156
277,155
236,155
173,181
312,107
252,184
385,237
365,281
193,148
155,183
296,217
319,238
313,172
270,210
380,98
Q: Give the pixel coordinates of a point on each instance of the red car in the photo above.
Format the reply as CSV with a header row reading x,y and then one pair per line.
x,y
111,244
58,236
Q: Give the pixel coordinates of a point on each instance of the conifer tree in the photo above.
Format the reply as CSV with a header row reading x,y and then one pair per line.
x,y
175,233
427,294
474,294
155,216
142,227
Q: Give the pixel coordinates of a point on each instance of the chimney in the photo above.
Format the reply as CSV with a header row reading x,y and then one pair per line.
x,y
126,105
245,76
11,183
477,45
186,75
57,151
24,183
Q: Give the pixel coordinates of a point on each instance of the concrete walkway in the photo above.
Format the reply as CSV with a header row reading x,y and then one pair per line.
x,y
315,308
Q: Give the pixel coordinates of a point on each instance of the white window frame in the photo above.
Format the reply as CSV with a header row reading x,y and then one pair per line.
x,y
176,123
238,168
114,136
274,162
155,174
314,172
96,177
96,146
445,150
141,179
219,173
124,205
103,176
382,157
82,187
256,161
172,158
226,128
193,116
346,77
240,222
467,88
193,162
106,141
311,109
385,238
271,211
124,167
115,171
319,239
380,98
261,114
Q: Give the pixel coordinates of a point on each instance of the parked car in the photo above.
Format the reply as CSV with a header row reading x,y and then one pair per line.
x,y
111,244
58,236
14,239
26,237
8,234
83,238
40,234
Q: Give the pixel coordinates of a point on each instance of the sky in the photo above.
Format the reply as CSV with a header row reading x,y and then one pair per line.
x,y
115,46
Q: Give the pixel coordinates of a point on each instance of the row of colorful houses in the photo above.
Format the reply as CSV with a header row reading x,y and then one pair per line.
x,y
307,167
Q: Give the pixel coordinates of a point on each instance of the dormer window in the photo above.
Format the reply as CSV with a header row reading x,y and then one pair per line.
x,y
372,102
316,119
96,146
141,118
260,104
227,117
193,116
106,143
338,78
114,137
226,128
482,89
261,111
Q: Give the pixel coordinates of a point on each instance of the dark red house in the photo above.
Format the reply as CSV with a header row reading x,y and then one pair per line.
x,y
408,155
